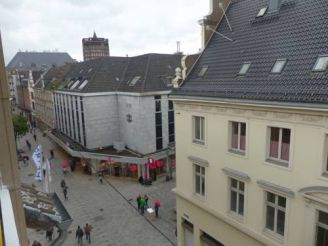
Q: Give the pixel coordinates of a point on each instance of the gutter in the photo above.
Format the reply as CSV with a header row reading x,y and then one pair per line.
x,y
263,104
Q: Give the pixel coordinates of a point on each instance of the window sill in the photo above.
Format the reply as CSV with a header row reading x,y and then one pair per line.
x,y
237,152
239,218
199,197
278,162
272,235
200,142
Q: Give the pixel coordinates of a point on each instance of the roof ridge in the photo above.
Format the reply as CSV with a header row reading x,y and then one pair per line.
x,y
146,73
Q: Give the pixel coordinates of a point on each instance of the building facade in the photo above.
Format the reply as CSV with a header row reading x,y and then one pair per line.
x,y
251,130
94,47
43,92
117,108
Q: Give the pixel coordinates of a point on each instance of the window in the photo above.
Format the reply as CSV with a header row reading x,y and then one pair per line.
x,y
262,12
209,240
158,123
244,68
279,144
171,122
202,71
75,84
237,189
275,213
198,129
134,80
279,66
199,180
322,229
188,230
85,82
238,136
321,64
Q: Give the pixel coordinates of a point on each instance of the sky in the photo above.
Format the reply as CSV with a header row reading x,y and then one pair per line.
x,y
133,27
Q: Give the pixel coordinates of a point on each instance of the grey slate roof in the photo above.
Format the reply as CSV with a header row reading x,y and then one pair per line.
x,y
298,32
53,77
115,73
35,60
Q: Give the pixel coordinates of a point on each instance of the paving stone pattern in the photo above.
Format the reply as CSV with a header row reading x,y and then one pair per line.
x,y
109,207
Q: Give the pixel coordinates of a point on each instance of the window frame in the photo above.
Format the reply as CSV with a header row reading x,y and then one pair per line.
x,y
202,133
202,193
237,150
319,224
247,65
238,192
279,161
284,60
314,69
273,233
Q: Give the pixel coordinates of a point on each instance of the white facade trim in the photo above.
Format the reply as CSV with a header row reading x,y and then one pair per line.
x,y
136,94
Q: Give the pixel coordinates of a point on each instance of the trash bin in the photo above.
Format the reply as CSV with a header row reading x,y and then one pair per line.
x,y
151,213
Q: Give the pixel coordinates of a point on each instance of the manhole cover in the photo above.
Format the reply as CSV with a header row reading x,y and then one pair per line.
x,y
98,218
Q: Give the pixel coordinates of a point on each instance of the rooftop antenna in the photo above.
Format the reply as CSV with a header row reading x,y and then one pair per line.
x,y
224,36
178,46
224,13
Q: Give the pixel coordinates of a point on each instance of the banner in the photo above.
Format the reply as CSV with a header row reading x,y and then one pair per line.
x,y
37,158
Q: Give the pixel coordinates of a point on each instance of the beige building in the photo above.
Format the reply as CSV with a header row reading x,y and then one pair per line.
x,y
251,123
94,47
44,103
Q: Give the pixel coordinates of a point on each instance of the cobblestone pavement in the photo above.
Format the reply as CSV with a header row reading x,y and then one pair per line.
x,y
109,207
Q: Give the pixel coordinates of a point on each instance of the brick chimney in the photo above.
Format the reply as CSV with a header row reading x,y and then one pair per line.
x,y
212,19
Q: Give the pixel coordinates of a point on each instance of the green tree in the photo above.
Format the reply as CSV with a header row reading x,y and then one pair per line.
x,y
20,126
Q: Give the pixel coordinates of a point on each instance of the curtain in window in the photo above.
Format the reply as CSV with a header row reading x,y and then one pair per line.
x,y
285,144
234,137
274,142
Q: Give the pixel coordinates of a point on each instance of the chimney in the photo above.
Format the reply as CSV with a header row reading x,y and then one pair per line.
x,y
212,19
274,5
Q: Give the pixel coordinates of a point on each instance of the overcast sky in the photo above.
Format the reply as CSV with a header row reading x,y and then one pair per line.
x,y
133,27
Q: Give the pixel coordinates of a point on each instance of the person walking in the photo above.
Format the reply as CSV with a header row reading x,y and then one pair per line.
x,y
79,235
138,202
142,205
157,205
65,192
34,136
146,201
28,145
87,231
52,154
49,233
62,183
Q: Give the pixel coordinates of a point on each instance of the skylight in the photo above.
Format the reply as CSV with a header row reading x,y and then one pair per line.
x,y
321,64
244,68
85,82
279,66
203,71
134,80
75,84
262,12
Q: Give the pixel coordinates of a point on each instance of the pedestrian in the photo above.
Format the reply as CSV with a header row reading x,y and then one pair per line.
x,y
100,177
87,231
49,233
62,183
43,167
146,200
28,145
142,205
157,205
65,192
138,202
79,235
52,154
34,136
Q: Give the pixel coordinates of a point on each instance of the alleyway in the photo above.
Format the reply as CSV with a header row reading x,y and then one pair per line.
x,y
110,207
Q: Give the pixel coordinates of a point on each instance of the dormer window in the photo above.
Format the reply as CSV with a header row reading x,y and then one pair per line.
x,y
244,68
85,82
262,12
321,64
203,71
75,84
279,66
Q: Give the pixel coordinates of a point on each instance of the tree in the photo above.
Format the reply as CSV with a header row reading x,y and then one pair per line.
x,y
20,126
